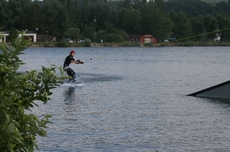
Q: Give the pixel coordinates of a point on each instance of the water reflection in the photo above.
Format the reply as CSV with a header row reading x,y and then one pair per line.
x,y
69,95
73,102
222,102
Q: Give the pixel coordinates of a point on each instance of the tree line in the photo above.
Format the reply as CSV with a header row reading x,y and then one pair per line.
x,y
112,21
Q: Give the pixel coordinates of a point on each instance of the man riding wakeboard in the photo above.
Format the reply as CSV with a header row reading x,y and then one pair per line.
x,y
69,59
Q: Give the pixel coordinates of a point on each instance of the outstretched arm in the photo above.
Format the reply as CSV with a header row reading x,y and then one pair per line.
x,y
79,62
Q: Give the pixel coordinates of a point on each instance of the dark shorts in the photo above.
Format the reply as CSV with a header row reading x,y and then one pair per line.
x,y
69,71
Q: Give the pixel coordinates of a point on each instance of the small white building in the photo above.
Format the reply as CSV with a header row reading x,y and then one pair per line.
x,y
218,37
30,35
3,36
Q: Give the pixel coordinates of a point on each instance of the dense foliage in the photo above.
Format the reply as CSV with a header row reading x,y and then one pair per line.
x,y
19,92
80,19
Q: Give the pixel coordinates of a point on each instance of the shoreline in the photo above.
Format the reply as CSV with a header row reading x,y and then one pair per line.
x,y
132,44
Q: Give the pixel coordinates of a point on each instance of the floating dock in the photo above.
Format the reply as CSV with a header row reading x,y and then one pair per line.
x,y
221,91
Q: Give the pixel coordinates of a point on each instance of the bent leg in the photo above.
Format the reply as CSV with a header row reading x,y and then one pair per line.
x,y
71,73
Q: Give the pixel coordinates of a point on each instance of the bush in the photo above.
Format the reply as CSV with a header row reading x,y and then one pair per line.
x,y
73,33
62,43
112,35
147,44
129,44
114,38
87,42
19,92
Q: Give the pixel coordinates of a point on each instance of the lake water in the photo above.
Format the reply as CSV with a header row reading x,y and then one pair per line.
x,y
134,99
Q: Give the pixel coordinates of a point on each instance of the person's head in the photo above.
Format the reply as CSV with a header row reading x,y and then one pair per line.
x,y
72,52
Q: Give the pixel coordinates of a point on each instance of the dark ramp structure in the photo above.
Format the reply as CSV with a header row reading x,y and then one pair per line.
x,y
221,91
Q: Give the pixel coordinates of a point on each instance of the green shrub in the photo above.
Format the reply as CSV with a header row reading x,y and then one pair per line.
x,y
62,43
112,35
147,44
129,44
19,92
87,43
113,38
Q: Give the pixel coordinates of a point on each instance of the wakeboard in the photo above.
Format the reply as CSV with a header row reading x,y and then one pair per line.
x,y
76,82
72,84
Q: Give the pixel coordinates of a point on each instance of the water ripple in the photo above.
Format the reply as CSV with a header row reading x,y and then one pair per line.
x,y
134,99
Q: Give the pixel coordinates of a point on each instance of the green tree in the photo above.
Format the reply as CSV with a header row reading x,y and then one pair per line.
x,y
160,4
13,35
85,12
4,14
89,33
54,18
155,22
103,12
130,20
74,13
183,27
197,26
112,34
222,19
223,7
210,25
34,17
19,92
127,3
73,33
18,13
190,7
226,33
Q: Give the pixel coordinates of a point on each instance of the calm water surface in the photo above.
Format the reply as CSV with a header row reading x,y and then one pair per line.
x,y
134,99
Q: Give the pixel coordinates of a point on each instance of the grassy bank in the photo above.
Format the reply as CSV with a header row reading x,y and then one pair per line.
x,y
87,44
131,44
196,43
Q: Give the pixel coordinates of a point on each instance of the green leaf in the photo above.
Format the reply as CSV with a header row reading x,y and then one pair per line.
x,y
10,128
17,41
7,119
